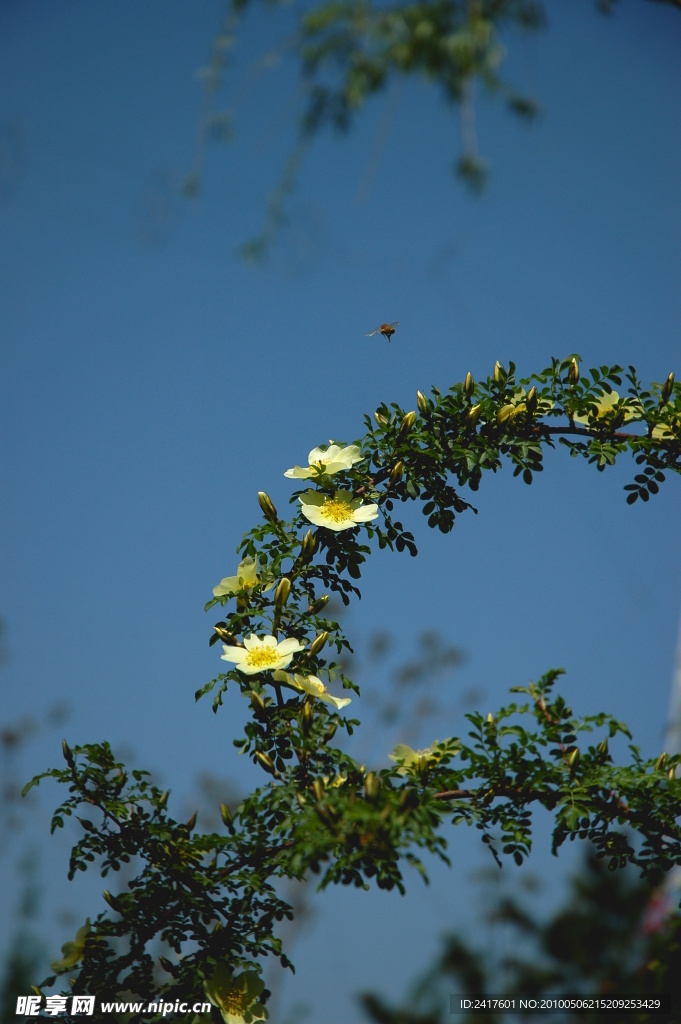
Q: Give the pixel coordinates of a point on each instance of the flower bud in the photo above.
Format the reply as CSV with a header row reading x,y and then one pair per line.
x,y
603,748
192,822
406,424
573,373
221,629
506,415
257,703
316,606
306,717
396,473
318,643
372,785
381,420
307,548
318,790
114,903
422,402
68,755
301,800
666,392
468,385
574,759
661,762
472,415
167,965
330,732
531,401
226,816
163,799
500,374
265,762
490,719
671,774
268,508
282,592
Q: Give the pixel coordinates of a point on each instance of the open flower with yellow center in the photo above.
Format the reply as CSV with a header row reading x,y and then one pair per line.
x,y
313,686
72,952
262,654
333,460
410,759
236,995
342,512
605,406
246,578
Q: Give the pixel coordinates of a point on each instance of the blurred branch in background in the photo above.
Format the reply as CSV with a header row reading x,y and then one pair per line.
x,y
347,52
614,934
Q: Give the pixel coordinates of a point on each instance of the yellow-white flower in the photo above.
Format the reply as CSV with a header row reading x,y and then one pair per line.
x,y
408,758
333,460
312,685
246,578
605,406
262,654
72,952
236,995
342,512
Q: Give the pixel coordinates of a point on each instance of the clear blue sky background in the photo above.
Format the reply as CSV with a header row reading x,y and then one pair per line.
x,y
152,384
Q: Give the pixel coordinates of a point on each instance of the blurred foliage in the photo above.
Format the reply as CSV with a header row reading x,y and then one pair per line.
x,y
614,935
26,952
348,51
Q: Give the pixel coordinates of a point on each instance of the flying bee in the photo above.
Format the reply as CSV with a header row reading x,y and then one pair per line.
x,y
387,330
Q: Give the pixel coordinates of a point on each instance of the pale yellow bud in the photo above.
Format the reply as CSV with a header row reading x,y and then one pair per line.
x,y
472,415
666,392
307,548
282,592
531,400
396,473
318,643
265,761
266,505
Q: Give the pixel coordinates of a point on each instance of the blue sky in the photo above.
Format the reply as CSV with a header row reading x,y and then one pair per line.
x,y
153,383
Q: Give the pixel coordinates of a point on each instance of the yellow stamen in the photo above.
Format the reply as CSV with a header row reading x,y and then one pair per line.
x,y
337,510
262,657
233,1002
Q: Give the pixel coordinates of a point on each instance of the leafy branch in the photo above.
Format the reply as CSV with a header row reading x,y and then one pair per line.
x,y
202,907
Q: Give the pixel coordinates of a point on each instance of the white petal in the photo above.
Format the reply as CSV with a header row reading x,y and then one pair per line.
x,y
289,646
312,498
338,702
253,642
228,585
234,654
364,513
315,515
